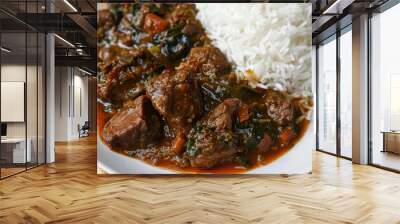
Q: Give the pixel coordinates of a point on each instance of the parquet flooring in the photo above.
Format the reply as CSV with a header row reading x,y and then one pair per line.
x,y
10,171
69,191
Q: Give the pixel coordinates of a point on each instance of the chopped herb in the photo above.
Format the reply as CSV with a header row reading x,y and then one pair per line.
x,y
163,152
243,161
118,13
107,107
154,50
225,137
173,42
199,127
147,76
208,92
191,150
251,143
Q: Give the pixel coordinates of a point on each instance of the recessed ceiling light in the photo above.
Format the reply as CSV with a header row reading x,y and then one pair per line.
x,y
337,7
5,50
70,5
84,71
65,41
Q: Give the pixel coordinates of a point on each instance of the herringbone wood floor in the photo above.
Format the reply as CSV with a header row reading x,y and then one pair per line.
x,y
69,191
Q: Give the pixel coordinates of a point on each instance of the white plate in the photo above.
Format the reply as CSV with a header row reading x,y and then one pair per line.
x,y
298,160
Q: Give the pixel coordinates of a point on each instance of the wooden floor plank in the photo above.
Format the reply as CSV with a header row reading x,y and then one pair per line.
x,y
70,191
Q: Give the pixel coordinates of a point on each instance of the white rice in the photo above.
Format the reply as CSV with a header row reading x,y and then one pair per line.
x,y
269,43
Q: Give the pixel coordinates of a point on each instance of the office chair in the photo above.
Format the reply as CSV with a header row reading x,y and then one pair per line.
x,y
84,130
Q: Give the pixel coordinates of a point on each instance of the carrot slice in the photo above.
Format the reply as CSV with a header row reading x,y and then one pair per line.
x,y
286,136
244,113
178,144
265,143
154,24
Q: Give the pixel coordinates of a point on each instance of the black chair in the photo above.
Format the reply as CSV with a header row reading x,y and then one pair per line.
x,y
84,130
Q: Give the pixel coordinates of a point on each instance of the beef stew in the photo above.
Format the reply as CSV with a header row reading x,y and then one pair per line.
x,y
168,97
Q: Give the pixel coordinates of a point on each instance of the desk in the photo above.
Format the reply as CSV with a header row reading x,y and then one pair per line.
x,y
13,150
391,141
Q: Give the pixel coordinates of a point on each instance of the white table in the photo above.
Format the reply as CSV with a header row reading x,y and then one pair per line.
x,y
18,149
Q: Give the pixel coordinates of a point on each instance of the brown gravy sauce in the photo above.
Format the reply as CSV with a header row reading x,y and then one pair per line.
x,y
232,168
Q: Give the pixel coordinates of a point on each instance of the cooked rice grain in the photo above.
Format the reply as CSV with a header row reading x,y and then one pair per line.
x,y
270,43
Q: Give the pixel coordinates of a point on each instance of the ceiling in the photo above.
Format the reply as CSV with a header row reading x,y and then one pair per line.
x,y
75,21
72,20
331,15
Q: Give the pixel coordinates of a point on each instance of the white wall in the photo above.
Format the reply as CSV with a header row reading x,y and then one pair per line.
x,y
34,125
61,103
11,73
71,102
80,110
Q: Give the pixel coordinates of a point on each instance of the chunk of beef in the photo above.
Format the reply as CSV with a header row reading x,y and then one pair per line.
x,y
177,98
181,14
156,8
265,143
136,126
213,142
279,108
122,79
220,119
209,61
105,19
184,16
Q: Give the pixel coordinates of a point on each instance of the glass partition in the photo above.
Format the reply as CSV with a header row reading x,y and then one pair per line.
x,y
346,93
22,88
327,96
385,89
15,151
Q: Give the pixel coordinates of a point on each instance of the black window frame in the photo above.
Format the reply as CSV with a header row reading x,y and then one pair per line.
x,y
347,27
30,29
380,9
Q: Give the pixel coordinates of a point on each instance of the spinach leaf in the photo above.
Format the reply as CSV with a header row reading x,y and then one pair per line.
x,y
251,143
243,161
173,42
118,13
191,150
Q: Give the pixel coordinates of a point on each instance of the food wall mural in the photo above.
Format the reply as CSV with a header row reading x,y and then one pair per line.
x,y
207,88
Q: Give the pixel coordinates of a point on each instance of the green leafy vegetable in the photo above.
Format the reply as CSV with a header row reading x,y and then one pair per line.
x,y
118,13
191,150
173,42
252,142
107,107
199,127
243,161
